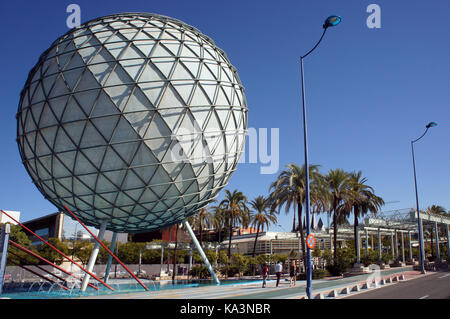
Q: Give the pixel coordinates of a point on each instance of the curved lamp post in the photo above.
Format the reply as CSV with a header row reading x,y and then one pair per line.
x,y
331,21
419,220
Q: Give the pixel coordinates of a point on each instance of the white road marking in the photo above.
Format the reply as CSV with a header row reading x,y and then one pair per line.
x,y
444,276
426,296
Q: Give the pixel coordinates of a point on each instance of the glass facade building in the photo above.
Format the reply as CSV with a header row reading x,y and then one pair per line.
x,y
135,118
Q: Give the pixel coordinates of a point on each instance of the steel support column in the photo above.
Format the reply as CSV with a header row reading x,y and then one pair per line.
x,y
367,243
201,252
403,249
108,264
93,256
358,253
410,247
396,244
448,243
379,245
436,231
392,245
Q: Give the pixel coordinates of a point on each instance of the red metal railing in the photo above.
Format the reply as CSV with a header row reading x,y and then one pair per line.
x,y
61,253
106,248
47,261
39,275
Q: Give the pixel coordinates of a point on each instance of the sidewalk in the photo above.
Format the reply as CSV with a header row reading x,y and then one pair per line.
x,y
255,291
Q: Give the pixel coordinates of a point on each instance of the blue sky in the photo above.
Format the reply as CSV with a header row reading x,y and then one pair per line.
x,y
369,91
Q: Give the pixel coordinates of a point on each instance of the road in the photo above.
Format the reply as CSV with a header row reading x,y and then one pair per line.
x,y
432,286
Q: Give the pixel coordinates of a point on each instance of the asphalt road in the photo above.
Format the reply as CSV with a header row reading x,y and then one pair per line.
x,y
431,286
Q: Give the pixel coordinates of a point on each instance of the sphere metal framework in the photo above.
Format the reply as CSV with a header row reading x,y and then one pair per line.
x,y
138,119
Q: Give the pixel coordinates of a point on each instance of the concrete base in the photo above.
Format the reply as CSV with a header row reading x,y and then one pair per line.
x,y
398,263
357,269
383,265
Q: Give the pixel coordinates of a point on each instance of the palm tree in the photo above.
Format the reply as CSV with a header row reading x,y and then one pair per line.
x,y
361,199
289,191
261,217
338,184
202,219
235,212
436,210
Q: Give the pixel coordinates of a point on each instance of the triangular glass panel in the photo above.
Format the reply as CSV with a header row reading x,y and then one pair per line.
x,y
138,102
105,125
210,90
73,112
86,100
82,165
118,77
135,194
88,180
104,106
165,65
160,177
123,200
112,161
213,68
104,185
194,48
148,197
63,142
116,177
72,77
89,52
119,94
143,157
145,46
171,116
38,95
173,47
36,111
91,137
199,98
101,71
48,134
95,155
124,132
184,89
59,170
132,181
126,150
132,67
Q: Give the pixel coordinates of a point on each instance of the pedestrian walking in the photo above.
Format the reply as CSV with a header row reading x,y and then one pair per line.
x,y
292,273
265,273
278,270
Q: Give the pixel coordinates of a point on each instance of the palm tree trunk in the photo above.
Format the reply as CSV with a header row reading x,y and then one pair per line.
x,y
302,238
431,248
293,224
355,227
175,254
229,240
201,233
256,238
335,237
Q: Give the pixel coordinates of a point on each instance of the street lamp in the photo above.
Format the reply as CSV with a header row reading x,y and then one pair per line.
x,y
331,21
419,220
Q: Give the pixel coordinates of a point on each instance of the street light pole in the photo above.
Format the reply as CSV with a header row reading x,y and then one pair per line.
x,y
419,220
329,22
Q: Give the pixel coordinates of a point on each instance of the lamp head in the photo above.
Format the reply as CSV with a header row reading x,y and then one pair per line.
x,y
431,124
332,21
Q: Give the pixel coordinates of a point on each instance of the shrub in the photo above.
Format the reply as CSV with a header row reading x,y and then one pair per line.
x,y
200,272
229,270
345,258
316,274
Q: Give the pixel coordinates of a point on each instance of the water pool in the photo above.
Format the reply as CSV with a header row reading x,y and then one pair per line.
x,y
45,290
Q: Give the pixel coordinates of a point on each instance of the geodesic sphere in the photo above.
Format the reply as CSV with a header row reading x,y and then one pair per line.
x,y
137,119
